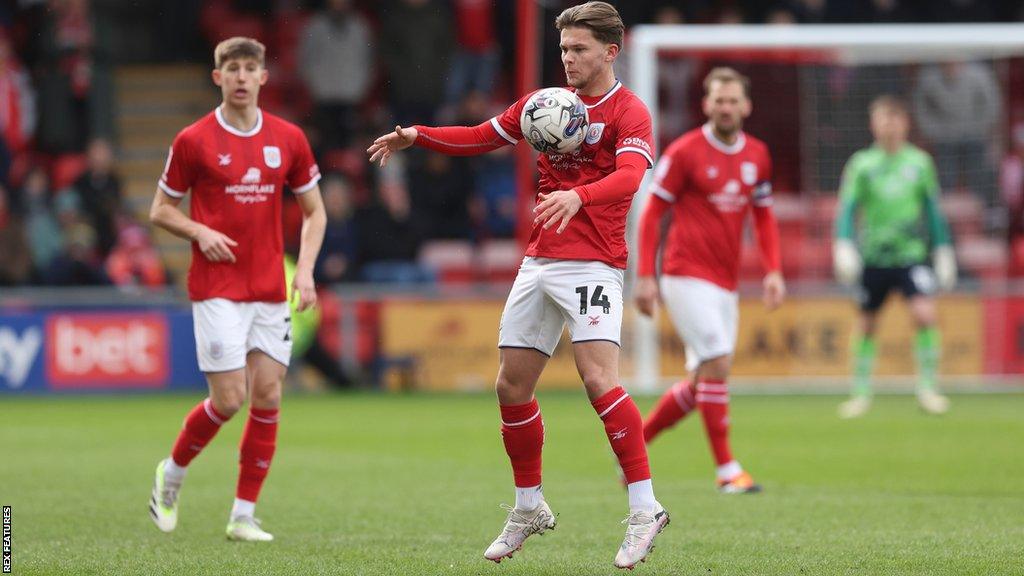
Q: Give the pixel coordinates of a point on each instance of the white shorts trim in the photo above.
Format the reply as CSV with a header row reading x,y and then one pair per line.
x,y
549,293
226,331
705,316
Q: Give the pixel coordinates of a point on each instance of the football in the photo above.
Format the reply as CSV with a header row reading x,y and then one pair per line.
x,y
554,121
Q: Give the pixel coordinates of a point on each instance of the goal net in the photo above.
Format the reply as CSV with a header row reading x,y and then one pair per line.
x,y
811,89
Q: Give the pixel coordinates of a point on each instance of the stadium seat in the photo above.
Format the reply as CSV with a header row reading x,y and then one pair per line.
x,y
986,258
453,260
500,259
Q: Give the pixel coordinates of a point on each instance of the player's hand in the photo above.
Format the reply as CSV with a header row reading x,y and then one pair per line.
x,y
215,246
846,261
558,206
646,295
304,289
945,266
383,147
774,290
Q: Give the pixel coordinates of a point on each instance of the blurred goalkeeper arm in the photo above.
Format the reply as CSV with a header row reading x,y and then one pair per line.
x,y
845,258
943,255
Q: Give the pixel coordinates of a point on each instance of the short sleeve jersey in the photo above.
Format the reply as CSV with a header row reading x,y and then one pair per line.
x,y
619,124
889,193
236,180
712,187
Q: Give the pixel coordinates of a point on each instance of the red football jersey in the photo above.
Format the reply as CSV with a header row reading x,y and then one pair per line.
x,y
237,179
712,187
619,124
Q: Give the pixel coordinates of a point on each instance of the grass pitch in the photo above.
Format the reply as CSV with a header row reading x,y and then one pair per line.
x,y
373,484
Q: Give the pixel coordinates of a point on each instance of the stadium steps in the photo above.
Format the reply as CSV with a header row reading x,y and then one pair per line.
x,y
154,103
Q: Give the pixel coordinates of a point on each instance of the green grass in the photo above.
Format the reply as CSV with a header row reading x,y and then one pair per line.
x,y
368,484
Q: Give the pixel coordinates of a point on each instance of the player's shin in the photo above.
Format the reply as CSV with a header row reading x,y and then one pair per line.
x,y
864,353
673,406
624,427
522,432
201,425
259,441
713,402
926,351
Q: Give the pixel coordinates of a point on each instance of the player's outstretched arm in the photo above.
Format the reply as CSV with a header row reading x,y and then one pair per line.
x,y
215,246
386,145
314,222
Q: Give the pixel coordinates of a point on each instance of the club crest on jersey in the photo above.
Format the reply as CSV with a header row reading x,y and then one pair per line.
x,y
272,156
748,173
594,132
252,176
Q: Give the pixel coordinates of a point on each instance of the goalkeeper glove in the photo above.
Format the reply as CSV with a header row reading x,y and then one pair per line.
x,y
846,261
945,266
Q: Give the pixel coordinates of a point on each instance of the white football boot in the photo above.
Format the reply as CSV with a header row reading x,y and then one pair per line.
x,y
855,407
163,502
247,529
520,525
932,402
641,529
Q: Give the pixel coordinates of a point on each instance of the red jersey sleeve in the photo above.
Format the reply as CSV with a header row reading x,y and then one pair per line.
x,y
304,172
634,132
507,123
669,175
180,171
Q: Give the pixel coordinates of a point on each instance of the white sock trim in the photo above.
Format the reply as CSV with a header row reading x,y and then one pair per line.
x,y
242,508
529,498
729,470
614,404
641,496
522,422
172,471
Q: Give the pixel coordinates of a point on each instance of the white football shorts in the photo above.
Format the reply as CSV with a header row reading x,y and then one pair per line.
x,y
705,315
226,331
550,293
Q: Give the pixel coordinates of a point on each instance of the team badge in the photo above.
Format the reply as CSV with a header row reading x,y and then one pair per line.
x,y
748,173
594,132
216,349
272,156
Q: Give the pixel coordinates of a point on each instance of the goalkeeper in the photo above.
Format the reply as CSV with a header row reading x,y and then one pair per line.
x,y
888,216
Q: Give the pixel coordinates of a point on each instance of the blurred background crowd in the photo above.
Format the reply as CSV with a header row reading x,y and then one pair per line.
x,y
84,124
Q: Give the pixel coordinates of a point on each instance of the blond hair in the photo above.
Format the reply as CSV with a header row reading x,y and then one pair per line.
x,y
239,47
725,74
601,18
889,103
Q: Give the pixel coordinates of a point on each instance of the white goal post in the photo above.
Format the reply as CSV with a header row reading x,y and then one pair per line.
x,y
843,45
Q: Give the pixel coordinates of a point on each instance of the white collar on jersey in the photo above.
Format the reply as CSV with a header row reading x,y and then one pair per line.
x,y
231,129
734,148
606,96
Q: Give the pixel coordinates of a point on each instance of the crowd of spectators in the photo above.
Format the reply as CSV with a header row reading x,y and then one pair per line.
x,y
62,214
347,70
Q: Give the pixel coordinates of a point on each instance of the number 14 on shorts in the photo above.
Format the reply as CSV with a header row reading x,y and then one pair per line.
x,y
598,298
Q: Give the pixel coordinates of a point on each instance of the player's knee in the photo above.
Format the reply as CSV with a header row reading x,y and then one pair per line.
x,y
228,402
598,380
716,368
266,395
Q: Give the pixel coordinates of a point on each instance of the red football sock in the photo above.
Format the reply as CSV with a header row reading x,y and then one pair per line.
x,y
522,431
674,405
713,402
624,427
259,440
201,425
